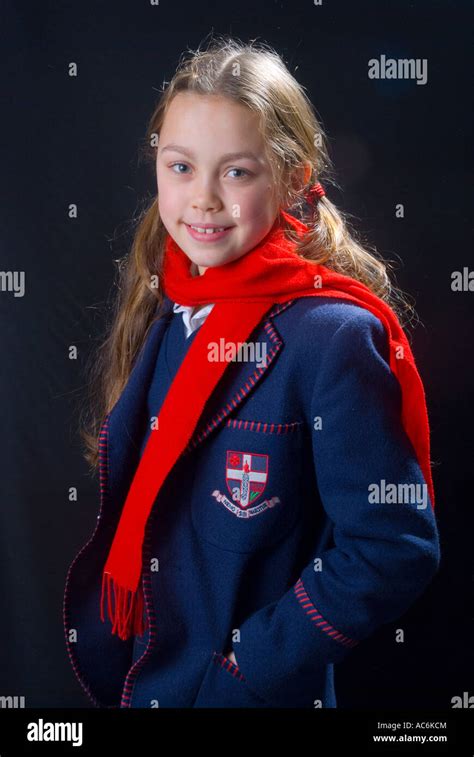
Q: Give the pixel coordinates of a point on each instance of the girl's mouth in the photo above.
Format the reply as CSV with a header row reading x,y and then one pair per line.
x,y
213,234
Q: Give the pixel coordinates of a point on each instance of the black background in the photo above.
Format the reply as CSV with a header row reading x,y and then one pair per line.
x,y
75,140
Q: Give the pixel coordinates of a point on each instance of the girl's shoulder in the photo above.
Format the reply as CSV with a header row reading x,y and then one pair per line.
x,y
316,320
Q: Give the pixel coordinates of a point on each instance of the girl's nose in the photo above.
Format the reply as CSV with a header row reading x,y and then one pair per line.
x,y
206,199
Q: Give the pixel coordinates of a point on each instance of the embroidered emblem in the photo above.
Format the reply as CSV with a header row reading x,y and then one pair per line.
x,y
246,477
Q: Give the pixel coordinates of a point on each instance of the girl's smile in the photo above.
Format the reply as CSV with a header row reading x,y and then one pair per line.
x,y
208,234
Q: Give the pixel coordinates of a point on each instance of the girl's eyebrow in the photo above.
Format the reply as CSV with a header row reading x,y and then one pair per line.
x,y
227,156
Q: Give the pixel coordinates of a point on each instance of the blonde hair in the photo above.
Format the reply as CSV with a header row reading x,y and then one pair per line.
x,y
254,75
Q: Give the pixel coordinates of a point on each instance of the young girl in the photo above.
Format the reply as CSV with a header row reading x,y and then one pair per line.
x,y
260,425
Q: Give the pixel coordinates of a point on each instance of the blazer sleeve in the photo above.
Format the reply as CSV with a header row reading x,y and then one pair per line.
x,y
384,554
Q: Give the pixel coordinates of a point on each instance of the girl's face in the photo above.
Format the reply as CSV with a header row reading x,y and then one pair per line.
x,y
212,171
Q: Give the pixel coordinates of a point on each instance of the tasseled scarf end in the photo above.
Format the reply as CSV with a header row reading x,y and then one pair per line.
x,y
127,614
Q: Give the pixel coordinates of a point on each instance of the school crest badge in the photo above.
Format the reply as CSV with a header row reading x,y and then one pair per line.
x,y
246,476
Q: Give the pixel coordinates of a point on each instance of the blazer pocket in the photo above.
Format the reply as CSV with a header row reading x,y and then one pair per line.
x,y
247,490
224,686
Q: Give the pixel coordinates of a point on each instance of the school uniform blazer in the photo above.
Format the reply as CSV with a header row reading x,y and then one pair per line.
x,y
291,565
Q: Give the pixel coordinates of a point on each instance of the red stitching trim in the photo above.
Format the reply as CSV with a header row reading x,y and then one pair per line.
x,y
314,615
224,662
130,679
263,427
103,468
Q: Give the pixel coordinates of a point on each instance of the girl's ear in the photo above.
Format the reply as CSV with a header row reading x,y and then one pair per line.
x,y
307,173
301,176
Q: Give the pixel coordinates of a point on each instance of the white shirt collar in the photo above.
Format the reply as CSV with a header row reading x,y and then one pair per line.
x,y
192,320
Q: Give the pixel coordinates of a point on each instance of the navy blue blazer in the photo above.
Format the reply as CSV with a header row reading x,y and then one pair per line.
x,y
296,523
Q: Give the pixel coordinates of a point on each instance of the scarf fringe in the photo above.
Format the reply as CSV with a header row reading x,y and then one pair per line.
x,y
127,615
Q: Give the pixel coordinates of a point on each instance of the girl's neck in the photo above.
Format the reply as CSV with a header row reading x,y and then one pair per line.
x,y
194,269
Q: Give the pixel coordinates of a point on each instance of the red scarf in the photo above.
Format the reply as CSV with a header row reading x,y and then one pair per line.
x,y
243,291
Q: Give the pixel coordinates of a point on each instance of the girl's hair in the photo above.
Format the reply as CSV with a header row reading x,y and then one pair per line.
x,y
254,75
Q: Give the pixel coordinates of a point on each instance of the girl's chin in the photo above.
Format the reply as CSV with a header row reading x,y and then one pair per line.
x,y
209,263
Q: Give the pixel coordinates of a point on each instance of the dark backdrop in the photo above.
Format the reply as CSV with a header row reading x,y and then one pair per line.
x,y
75,140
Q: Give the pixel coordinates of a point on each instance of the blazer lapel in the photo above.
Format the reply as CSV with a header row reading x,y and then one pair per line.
x,y
239,379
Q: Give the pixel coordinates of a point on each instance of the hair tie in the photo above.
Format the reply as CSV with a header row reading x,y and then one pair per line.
x,y
314,193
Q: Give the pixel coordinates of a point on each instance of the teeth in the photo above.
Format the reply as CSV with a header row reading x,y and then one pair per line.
x,y
208,231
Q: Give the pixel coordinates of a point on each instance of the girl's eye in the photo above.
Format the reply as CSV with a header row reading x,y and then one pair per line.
x,y
240,169
178,164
